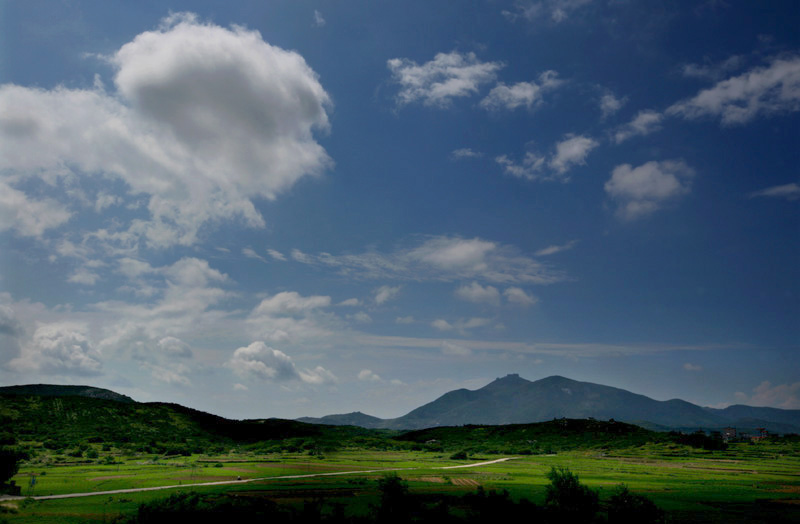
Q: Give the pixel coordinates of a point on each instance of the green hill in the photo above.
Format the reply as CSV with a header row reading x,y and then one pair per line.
x,y
52,390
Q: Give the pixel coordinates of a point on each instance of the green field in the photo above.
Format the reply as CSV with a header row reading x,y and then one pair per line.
x,y
746,483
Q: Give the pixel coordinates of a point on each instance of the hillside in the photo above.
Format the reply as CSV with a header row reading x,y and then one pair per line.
x,y
52,390
347,419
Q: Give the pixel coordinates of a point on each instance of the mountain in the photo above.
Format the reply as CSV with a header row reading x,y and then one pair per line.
x,y
514,400
52,390
347,419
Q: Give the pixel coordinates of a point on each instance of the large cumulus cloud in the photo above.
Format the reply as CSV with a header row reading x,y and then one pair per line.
x,y
203,121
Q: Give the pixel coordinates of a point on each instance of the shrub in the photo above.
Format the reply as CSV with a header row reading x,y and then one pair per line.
x,y
570,500
625,507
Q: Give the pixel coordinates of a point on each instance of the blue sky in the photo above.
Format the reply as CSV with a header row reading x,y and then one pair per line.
x,y
288,208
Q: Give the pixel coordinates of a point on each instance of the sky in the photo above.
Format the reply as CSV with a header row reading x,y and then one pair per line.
x,y
286,208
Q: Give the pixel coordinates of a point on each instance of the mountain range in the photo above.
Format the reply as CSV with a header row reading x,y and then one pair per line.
x,y
514,400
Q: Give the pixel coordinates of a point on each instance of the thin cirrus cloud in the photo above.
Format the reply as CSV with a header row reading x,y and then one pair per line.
x,y
441,258
644,123
555,11
203,120
446,77
642,190
786,191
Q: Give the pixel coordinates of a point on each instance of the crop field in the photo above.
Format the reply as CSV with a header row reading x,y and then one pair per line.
x,y
745,483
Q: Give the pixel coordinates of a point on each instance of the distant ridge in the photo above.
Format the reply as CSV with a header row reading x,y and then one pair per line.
x,y
53,390
348,419
514,400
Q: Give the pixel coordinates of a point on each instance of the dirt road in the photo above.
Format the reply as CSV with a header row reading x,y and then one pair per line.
x,y
245,481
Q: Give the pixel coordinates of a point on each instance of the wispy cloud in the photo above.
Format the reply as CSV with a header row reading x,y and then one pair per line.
x,y
522,94
552,250
571,151
787,191
437,82
644,123
441,258
774,89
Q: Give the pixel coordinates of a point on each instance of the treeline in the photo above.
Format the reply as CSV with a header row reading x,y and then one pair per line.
x,y
567,502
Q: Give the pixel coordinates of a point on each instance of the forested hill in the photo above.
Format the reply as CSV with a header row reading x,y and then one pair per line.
x,y
53,390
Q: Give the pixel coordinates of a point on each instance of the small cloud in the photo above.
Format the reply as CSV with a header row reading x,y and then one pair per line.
x,y
84,276
461,154
519,297
692,367
449,348
277,255
644,123
350,302
385,293
175,347
368,376
552,250
639,191
240,387
787,191
521,94
609,104
784,396
404,320
437,82
319,21
361,317
249,253
476,293
441,324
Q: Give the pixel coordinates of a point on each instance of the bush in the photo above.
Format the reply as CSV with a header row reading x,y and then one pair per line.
x,y
459,455
625,507
570,500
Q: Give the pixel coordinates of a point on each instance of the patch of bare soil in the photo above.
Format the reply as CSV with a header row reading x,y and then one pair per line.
x,y
437,480
466,482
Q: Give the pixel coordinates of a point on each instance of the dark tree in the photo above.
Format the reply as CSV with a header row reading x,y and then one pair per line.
x,y
568,499
625,507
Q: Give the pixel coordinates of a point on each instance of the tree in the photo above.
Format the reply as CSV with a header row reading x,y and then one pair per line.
x,y
625,507
9,466
395,502
570,500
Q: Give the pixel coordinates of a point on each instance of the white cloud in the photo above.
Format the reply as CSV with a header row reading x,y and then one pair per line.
x,y
204,120
277,255
692,367
350,302
521,94
476,293
250,253
368,376
83,276
437,82
319,21
710,71
519,297
762,91
461,325
386,293
290,317
175,347
23,215
361,317
460,154
450,348
261,361
104,200
552,250
240,387
571,151
556,10
404,320
290,303
644,189
644,123
60,348
609,104
787,191
784,396
175,376
441,258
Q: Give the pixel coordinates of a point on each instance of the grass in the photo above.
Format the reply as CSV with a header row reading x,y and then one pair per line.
x,y
744,483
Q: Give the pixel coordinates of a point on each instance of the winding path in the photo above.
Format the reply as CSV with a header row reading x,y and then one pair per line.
x,y
245,481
